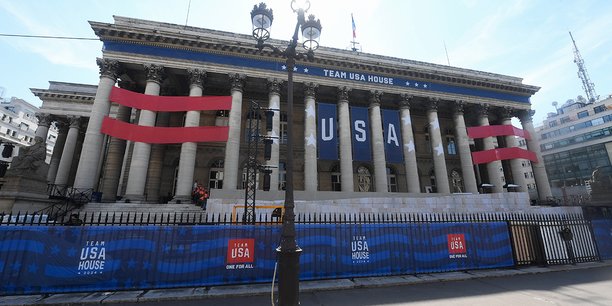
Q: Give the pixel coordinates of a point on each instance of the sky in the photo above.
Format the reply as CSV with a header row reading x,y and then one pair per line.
x,y
528,39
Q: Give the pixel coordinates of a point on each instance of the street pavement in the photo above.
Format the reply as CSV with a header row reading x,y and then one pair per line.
x,y
580,284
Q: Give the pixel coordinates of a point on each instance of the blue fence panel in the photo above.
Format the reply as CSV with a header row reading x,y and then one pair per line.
x,y
47,259
603,236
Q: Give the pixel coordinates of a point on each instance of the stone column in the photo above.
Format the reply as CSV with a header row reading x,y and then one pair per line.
x,y
92,144
410,162
186,170
494,168
310,138
274,87
533,144
463,147
58,149
518,177
63,170
437,147
232,147
139,166
378,143
114,159
44,120
346,155
156,160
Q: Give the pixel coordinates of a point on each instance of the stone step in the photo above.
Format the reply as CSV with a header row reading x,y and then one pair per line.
x,y
140,207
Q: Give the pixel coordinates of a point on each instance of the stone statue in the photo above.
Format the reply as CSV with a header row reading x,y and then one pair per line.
x,y
31,160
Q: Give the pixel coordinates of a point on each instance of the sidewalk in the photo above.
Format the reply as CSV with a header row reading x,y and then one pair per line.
x,y
260,289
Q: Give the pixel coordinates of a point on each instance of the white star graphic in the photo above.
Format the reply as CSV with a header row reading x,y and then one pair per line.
x,y
435,124
410,146
284,67
425,85
274,137
406,120
305,70
439,149
310,112
294,68
416,84
407,83
310,140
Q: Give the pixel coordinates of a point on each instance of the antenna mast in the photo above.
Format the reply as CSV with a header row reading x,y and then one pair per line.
x,y
587,85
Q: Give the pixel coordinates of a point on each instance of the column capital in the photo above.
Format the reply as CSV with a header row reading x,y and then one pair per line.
x,y
44,119
526,116
237,81
155,73
483,110
459,107
343,93
433,104
507,113
62,126
274,86
196,77
108,68
406,101
375,96
75,121
310,89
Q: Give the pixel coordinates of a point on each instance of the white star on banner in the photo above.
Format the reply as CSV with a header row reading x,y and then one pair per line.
x,y
305,70
425,85
310,112
439,149
284,67
274,137
435,124
410,146
407,83
406,120
310,140
294,68
416,84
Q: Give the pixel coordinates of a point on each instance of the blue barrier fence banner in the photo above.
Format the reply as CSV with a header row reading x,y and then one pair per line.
x,y
52,259
603,237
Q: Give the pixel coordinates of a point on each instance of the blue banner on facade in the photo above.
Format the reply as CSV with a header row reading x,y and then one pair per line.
x,y
52,259
327,131
392,136
360,123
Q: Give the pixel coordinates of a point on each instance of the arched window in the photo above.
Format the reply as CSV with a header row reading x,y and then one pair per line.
x,y
391,180
364,179
215,177
335,179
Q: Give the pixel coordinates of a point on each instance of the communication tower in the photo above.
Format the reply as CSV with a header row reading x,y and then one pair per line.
x,y
587,85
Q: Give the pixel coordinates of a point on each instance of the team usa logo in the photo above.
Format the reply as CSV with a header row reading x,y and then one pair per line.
x,y
93,258
360,252
240,254
456,246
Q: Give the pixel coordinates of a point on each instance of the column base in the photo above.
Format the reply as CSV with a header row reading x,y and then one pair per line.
x,y
133,198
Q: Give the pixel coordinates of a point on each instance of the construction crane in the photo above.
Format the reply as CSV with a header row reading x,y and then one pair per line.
x,y
587,85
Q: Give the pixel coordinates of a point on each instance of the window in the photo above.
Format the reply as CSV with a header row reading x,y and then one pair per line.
x,y
335,179
283,129
565,119
215,180
364,179
583,114
599,108
222,118
24,126
391,180
451,147
552,123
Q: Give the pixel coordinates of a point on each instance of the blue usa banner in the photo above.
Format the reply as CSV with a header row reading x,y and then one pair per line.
x,y
327,132
362,149
392,136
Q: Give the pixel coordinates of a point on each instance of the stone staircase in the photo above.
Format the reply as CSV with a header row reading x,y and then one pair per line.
x,y
143,213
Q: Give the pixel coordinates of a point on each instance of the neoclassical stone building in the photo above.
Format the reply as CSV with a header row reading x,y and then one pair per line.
x,y
364,125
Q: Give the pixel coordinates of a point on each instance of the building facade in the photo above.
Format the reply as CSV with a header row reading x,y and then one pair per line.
x,y
412,116
575,141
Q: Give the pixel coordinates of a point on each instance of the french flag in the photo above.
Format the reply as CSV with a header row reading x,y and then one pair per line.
x,y
354,27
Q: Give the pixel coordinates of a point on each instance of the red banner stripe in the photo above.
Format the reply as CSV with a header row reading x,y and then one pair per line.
x,y
163,135
496,130
169,103
483,157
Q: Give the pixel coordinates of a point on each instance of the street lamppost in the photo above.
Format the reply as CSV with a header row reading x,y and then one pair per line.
x,y
288,252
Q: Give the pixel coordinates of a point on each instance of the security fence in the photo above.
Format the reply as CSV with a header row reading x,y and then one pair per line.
x,y
127,251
